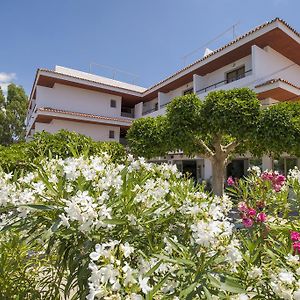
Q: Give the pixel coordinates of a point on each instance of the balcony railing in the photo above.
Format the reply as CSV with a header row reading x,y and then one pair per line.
x,y
223,82
148,111
127,114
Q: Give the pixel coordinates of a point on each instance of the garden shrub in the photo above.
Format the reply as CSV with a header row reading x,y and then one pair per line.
x,y
62,144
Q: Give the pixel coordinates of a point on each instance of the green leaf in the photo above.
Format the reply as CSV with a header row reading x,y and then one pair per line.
x,y
40,206
115,221
231,284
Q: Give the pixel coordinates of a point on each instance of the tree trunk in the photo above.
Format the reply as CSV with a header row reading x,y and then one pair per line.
x,y
218,171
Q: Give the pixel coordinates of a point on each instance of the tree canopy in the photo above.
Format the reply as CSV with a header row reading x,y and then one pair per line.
x,y
13,111
224,123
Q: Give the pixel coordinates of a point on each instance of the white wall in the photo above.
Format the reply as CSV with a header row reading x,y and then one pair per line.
x,y
78,100
269,64
95,131
220,74
178,92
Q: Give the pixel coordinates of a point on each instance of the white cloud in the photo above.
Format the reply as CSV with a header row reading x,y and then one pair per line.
x,y
5,80
7,77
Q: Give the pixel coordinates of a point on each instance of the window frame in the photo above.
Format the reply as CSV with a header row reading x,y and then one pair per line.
x,y
111,134
113,103
236,73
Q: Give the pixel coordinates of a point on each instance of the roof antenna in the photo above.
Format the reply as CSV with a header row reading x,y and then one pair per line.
x,y
232,29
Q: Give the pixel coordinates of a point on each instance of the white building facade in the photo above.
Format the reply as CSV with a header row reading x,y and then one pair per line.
x,y
266,59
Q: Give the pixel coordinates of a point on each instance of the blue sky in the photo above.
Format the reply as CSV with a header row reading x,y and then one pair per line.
x,y
144,37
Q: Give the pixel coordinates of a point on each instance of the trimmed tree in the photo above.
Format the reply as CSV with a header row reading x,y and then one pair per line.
x,y
225,123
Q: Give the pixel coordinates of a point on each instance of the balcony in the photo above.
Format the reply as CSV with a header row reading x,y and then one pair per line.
x,y
149,111
127,115
224,82
127,112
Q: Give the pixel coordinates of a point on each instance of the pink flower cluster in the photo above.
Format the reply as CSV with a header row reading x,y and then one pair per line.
x,y
230,181
249,215
275,178
295,237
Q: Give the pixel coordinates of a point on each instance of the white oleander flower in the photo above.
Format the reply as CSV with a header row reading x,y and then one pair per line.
x,y
143,282
255,272
293,259
286,277
127,249
64,220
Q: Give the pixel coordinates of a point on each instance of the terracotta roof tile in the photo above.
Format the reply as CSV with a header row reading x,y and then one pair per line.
x,y
271,81
226,46
72,113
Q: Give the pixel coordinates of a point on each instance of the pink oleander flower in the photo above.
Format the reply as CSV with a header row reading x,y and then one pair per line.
x,y
230,181
276,179
248,222
261,217
295,236
277,187
242,207
251,212
296,247
280,178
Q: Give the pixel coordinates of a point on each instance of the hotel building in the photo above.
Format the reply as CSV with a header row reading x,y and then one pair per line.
x,y
265,59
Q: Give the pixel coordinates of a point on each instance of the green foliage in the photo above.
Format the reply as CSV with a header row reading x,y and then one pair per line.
x,y
232,112
231,115
184,120
62,144
13,112
279,129
152,136
21,267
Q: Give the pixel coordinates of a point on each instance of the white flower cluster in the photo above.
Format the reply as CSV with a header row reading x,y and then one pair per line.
x,y
285,285
144,221
117,270
294,174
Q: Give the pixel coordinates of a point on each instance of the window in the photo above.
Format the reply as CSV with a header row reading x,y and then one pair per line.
x,y
189,91
111,134
113,103
235,74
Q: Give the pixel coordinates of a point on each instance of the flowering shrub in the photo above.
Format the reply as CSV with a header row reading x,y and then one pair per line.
x,y
137,230
270,268
124,230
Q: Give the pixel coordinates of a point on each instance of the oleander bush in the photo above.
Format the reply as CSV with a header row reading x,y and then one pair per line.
x,y
135,230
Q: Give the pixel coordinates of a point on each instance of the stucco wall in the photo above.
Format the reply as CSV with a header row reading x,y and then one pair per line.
x,y
77,100
220,74
269,64
95,131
